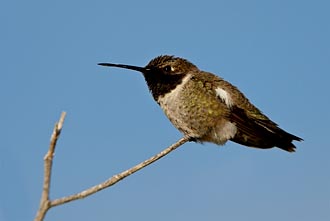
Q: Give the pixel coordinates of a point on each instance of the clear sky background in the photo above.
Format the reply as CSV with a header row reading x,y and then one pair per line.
x,y
276,52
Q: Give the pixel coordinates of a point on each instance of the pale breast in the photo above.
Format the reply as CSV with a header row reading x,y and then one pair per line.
x,y
172,103
198,113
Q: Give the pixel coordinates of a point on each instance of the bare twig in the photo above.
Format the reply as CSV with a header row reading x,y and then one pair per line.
x,y
46,203
48,162
116,178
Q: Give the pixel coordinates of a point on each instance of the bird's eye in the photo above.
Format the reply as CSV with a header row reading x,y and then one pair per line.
x,y
167,68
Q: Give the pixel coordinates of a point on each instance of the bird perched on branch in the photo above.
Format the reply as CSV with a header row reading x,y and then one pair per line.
x,y
207,108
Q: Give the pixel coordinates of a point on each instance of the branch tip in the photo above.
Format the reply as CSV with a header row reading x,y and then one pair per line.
x,y
61,121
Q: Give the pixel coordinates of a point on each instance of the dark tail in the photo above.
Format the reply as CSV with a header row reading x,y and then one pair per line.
x,y
265,139
285,141
261,133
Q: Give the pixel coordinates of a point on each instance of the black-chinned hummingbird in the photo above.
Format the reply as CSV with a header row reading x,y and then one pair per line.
x,y
207,108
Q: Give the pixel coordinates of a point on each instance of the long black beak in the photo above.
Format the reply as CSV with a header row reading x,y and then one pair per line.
x,y
131,67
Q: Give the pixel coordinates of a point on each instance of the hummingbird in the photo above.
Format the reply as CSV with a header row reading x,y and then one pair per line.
x,y
206,108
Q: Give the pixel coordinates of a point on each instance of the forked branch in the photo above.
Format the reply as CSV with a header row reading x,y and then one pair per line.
x,y
46,203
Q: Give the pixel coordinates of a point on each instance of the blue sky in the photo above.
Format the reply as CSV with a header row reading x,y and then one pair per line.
x,y
276,52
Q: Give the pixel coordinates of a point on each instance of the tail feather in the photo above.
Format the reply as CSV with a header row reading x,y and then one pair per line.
x,y
261,133
285,141
282,139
